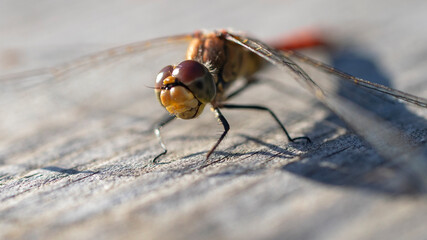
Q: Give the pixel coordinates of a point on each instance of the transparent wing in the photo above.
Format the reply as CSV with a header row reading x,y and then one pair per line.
x,y
370,118
23,80
114,85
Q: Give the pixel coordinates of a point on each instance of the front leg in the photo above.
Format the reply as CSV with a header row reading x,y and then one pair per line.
x,y
226,126
165,120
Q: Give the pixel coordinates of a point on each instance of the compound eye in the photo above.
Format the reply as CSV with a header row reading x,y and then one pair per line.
x,y
196,77
164,73
189,70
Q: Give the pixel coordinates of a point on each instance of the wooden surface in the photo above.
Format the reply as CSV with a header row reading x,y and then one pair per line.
x,y
75,155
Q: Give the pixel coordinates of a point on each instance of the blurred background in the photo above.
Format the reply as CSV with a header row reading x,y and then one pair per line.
x,y
33,34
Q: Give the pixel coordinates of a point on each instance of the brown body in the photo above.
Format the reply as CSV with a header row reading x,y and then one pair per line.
x,y
225,60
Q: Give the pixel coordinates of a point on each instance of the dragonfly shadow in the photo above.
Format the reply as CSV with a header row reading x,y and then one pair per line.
x,y
274,150
348,160
363,66
68,171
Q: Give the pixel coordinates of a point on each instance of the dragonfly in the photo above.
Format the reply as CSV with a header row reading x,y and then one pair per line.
x,y
214,61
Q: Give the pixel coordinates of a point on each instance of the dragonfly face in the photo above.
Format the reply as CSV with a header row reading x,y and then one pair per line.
x,y
185,89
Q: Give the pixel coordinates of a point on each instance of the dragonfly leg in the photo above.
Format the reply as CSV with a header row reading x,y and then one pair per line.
x,y
256,107
165,120
226,126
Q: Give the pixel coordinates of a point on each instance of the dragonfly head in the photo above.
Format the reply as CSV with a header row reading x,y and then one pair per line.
x,y
185,89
